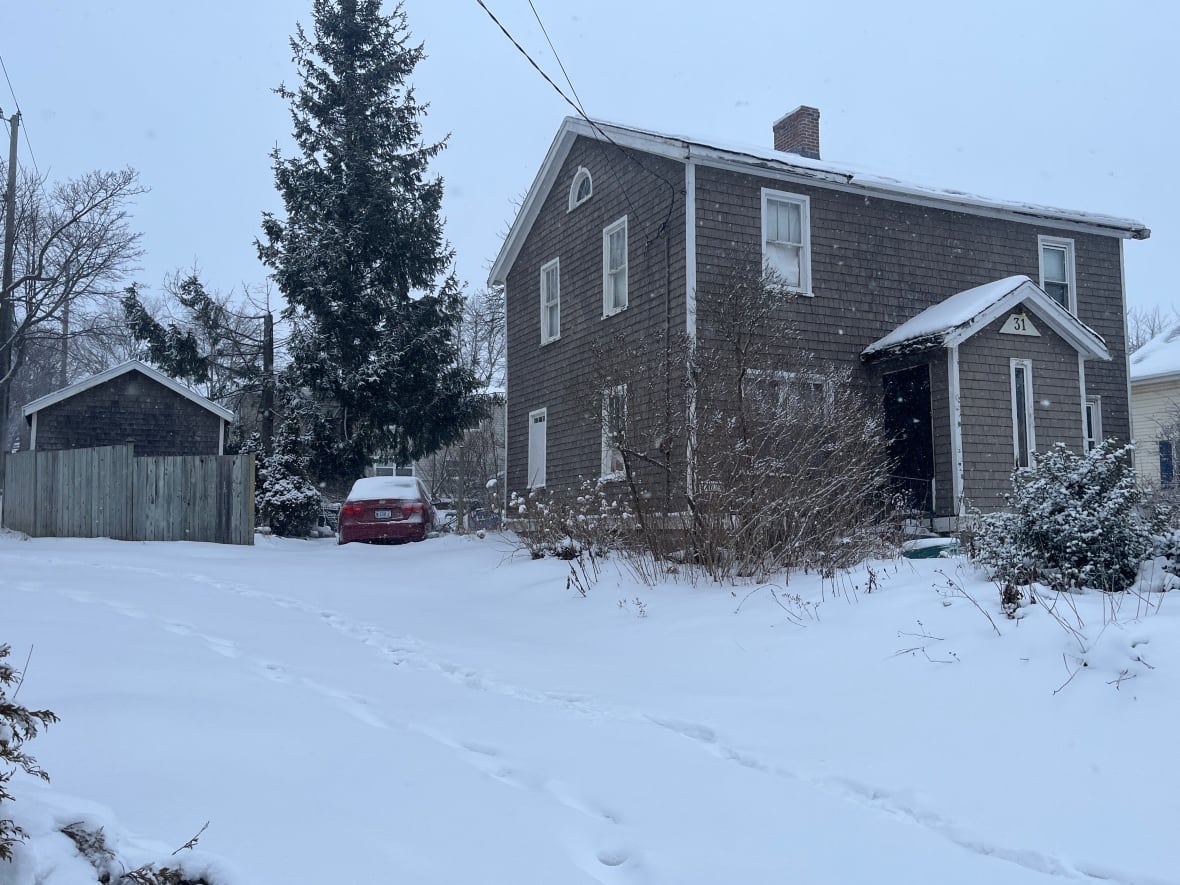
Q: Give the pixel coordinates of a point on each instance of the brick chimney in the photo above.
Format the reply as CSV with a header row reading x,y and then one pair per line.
x,y
798,132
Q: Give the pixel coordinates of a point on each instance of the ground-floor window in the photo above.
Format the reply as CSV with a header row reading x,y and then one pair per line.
x,y
393,470
1093,422
1023,430
614,420
1166,468
538,421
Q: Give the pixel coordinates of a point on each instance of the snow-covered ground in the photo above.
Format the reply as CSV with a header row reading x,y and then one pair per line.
x,y
449,712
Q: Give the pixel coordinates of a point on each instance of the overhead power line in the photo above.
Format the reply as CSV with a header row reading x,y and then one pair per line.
x,y
15,101
577,106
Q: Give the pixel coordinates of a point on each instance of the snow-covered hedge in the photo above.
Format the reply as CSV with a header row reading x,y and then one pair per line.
x,y
1073,521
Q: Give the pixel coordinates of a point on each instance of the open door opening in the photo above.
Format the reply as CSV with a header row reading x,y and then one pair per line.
x,y
908,424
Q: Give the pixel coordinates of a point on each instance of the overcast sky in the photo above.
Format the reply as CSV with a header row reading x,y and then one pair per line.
x,y
1070,103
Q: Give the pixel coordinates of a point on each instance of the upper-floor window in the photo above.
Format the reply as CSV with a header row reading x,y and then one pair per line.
x,y
582,188
1057,271
614,267
551,301
786,239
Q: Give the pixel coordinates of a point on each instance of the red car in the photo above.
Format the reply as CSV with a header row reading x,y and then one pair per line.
x,y
386,508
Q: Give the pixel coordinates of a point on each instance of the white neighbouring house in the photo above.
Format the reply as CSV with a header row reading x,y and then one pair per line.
x,y
1155,407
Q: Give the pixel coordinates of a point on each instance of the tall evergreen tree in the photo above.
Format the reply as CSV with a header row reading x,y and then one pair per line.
x,y
360,252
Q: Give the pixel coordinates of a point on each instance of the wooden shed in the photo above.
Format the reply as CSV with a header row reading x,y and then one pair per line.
x,y
131,403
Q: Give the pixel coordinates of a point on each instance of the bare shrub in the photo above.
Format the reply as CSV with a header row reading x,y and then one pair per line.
x,y
736,455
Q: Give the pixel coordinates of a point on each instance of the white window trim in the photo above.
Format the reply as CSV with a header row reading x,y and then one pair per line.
x,y
804,202
1070,275
607,309
605,472
583,174
789,376
1029,399
545,337
1094,402
530,479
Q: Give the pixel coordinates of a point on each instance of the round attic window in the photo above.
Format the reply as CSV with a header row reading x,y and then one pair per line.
x,y
582,188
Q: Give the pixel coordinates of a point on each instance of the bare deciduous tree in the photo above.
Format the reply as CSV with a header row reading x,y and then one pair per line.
x,y
74,247
469,470
1144,324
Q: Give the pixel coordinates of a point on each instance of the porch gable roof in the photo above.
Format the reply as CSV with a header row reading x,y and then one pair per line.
x,y
955,319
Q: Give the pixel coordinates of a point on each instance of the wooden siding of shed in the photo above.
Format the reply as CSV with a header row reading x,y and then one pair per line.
x,y
563,375
131,408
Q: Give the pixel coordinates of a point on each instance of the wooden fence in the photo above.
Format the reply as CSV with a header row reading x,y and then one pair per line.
x,y
107,492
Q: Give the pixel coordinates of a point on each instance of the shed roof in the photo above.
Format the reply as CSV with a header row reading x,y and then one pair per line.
x,y
123,368
955,319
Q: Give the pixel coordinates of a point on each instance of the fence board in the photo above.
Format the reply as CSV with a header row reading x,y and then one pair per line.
x,y
20,492
107,492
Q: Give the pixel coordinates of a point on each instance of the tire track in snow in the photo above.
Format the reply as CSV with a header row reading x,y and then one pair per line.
x,y
396,650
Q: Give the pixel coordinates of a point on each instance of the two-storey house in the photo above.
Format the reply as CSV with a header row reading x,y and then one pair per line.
x,y
987,330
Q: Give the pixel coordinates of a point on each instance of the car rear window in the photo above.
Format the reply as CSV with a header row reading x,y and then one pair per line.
x,y
384,487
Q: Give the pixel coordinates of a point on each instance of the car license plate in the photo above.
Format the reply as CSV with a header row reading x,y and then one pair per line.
x,y
383,514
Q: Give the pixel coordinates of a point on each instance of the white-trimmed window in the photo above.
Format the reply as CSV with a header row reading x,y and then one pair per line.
x,y
1093,422
1057,271
538,421
1024,437
786,239
614,268
550,301
787,391
614,424
390,469
582,188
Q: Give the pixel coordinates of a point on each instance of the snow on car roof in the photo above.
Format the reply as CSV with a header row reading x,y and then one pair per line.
x,y
383,487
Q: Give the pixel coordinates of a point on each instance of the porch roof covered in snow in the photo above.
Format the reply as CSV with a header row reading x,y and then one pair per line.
x,y
952,321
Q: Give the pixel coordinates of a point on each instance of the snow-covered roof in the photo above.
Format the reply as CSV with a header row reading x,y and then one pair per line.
x,y
1158,358
786,166
123,368
955,319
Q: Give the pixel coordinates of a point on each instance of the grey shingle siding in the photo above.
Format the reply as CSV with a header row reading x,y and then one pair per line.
x,y
130,408
875,263
988,449
562,375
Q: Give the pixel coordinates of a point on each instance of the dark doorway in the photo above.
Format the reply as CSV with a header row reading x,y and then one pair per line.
x,y
907,422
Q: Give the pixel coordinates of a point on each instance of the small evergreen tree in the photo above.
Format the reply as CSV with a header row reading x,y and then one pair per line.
x,y
1073,520
360,252
287,501
17,726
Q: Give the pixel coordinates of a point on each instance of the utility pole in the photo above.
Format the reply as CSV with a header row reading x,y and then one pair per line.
x,y
6,311
268,382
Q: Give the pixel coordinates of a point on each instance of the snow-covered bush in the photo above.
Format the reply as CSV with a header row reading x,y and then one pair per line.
x,y
566,524
287,501
17,726
1073,521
